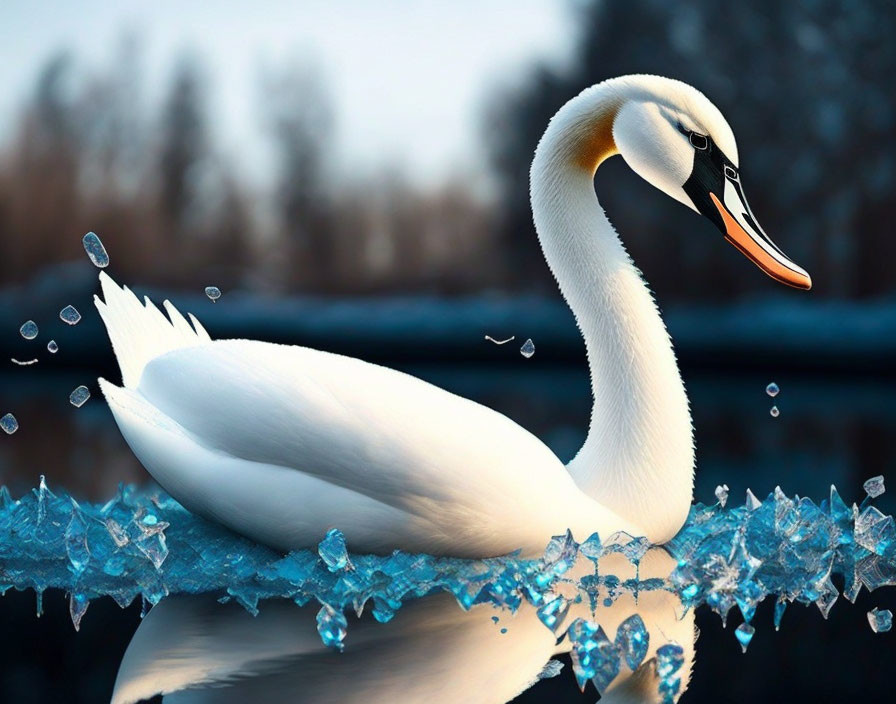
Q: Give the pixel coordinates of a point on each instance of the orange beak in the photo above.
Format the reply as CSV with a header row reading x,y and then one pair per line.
x,y
758,248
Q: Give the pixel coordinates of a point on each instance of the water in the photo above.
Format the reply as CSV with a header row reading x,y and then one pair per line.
x,y
52,347
28,330
774,412
79,396
528,348
70,315
772,389
9,424
213,293
95,250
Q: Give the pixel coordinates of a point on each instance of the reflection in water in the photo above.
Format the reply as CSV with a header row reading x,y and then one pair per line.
x,y
195,650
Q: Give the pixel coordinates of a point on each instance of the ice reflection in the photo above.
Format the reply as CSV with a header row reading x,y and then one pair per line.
x,y
195,650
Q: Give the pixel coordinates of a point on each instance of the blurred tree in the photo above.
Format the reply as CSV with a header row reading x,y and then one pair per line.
x,y
300,123
184,146
806,88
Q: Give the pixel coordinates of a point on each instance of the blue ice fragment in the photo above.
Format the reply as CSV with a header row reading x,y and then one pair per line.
x,y
780,606
880,621
744,634
76,540
213,293
77,607
95,250
772,389
553,612
70,315
28,330
874,487
552,668
333,552
633,640
669,659
592,548
9,424
594,656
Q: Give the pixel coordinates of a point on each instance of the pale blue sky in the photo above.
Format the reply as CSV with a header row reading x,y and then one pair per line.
x,y
407,77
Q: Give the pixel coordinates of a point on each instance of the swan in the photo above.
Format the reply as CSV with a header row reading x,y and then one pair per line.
x,y
281,443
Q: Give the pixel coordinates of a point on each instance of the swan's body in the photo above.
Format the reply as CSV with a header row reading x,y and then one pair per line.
x,y
282,443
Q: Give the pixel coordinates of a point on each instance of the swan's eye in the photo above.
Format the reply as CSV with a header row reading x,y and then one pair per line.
x,y
730,173
698,141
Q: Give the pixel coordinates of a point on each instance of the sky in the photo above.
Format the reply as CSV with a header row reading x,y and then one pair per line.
x,y
407,78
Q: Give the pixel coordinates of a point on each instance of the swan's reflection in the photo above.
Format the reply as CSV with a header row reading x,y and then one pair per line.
x,y
195,650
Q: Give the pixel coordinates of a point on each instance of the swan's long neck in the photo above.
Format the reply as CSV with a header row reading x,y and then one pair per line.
x,y
638,457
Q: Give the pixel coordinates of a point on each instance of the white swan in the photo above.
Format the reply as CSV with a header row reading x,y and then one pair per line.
x,y
281,443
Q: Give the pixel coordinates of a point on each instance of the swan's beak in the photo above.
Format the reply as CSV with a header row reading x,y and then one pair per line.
x,y
715,190
742,230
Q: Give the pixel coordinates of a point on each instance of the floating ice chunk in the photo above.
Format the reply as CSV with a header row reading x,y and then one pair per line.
x,y
79,396
780,606
774,412
9,424
874,487
70,315
552,668
77,607
752,503
332,626
744,634
633,640
528,348
880,621
333,552
52,347
772,389
213,293
553,613
722,494
95,250
500,342
594,656
76,540
28,330
669,659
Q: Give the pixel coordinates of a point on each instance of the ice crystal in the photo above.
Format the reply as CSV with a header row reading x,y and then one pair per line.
x,y
9,424
70,315
880,621
772,389
79,396
552,668
528,348
95,250
28,330
52,347
147,545
213,293
722,494
874,487
774,412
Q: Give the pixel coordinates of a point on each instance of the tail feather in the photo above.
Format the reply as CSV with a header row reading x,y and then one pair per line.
x,y
140,332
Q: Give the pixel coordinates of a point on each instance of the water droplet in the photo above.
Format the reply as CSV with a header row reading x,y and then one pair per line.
x,y
528,348
744,634
77,607
774,412
70,315
52,347
9,424
79,396
772,389
213,293
28,330
95,250
503,630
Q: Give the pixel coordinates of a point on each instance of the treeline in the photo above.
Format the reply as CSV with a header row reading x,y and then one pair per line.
x,y
91,153
807,88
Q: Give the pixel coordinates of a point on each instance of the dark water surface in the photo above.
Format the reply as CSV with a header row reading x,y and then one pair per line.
x,y
833,429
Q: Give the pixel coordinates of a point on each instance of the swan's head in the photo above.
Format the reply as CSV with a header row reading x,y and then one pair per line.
x,y
673,137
